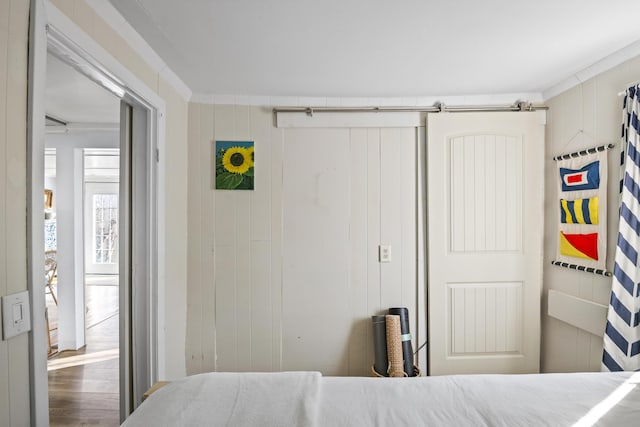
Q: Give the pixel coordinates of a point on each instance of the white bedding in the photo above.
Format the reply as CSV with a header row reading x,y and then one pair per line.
x,y
308,399
233,399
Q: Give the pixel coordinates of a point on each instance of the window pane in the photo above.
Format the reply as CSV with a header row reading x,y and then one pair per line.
x,y
105,219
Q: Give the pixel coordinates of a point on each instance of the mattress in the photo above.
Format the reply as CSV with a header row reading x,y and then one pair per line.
x,y
309,399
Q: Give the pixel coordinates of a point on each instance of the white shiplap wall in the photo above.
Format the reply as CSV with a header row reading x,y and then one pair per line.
x,y
14,363
287,276
14,353
582,117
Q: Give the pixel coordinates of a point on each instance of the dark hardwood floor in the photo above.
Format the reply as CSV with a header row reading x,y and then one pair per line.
x,y
83,384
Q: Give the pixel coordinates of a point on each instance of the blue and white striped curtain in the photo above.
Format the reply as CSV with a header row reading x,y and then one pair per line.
x,y
622,333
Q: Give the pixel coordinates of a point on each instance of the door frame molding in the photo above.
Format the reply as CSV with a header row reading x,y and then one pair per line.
x,y
51,30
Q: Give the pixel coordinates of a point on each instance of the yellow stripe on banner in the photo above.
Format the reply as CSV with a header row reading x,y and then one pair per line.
x,y
568,249
565,208
577,208
593,210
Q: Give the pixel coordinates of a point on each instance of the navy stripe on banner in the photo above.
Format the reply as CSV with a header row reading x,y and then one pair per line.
x,y
632,186
630,218
611,364
585,211
563,214
634,122
624,100
633,154
620,309
571,206
617,338
635,348
627,249
622,277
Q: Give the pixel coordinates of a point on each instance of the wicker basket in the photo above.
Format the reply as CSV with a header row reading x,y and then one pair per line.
x,y
416,372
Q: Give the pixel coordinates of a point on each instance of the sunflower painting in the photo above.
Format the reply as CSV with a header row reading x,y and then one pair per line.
x,y
234,165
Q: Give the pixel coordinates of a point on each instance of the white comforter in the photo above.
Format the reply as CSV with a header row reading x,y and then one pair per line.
x,y
308,399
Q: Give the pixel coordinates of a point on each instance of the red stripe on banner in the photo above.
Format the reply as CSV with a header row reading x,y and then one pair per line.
x,y
585,243
576,178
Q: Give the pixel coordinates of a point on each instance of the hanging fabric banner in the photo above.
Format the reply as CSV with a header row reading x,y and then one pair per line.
x,y
582,209
622,332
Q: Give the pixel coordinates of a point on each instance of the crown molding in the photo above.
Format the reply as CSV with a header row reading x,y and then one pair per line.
x,y
418,101
616,58
116,21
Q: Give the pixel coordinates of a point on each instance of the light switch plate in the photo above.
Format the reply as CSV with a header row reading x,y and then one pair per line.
x,y
16,315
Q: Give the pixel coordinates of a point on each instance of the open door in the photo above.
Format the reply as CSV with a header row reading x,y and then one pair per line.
x,y
485,219
137,256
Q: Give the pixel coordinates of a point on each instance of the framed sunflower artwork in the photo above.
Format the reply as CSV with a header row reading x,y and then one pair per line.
x,y
234,165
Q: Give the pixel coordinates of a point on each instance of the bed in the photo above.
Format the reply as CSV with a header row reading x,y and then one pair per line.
x,y
310,399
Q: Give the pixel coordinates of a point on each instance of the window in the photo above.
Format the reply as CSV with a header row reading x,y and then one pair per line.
x,y
105,231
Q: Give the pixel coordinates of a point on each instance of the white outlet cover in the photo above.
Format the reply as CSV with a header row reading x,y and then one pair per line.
x,y
16,315
384,253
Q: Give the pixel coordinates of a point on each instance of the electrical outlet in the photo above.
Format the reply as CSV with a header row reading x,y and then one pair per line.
x,y
384,253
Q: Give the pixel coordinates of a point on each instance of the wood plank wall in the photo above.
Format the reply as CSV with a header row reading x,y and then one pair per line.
x,y
585,116
287,276
14,26
14,363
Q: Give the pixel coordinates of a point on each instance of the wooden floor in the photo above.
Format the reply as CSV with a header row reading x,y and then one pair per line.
x,y
83,384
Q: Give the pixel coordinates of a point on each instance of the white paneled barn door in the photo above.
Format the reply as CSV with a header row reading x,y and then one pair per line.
x,y
485,218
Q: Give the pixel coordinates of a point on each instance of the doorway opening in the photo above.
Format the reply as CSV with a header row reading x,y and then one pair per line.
x,y
139,139
81,180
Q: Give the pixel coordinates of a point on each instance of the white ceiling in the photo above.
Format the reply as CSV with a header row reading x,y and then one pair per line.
x,y
73,98
380,48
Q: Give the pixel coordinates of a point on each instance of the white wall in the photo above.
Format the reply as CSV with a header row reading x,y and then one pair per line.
x,y
584,116
71,325
14,360
84,139
287,276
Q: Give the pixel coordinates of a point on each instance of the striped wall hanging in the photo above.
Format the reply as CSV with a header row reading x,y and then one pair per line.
x,y
622,333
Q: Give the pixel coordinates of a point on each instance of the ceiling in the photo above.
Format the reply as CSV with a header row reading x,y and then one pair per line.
x,y
72,98
380,48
